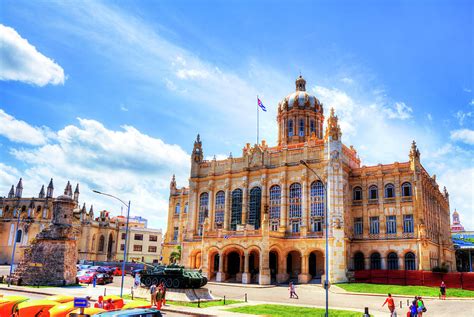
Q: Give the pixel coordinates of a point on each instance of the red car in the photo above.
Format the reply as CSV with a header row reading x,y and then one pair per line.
x,y
87,278
117,271
103,279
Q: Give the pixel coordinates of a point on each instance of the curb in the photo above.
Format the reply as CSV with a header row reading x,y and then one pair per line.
x,y
241,285
401,295
33,291
185,312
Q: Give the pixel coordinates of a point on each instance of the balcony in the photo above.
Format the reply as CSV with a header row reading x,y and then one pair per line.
x,y
407,199
315,234
373,201
389,200
357,203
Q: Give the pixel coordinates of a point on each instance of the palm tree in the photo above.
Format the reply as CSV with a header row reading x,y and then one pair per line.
x,y
175,256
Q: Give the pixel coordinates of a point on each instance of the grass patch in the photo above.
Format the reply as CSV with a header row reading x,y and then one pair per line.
x,y
403,290
290,311
205,304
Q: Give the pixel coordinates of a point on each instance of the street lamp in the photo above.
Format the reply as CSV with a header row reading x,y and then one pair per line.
x,y
326,222
14,245
126,235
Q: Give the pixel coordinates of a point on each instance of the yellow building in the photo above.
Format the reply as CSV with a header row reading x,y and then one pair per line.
x,y
259,217
97,235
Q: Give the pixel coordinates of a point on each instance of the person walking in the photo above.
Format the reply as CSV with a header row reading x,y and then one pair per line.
x,y
153,295
293,290
390,303
420,306
94,280
442,290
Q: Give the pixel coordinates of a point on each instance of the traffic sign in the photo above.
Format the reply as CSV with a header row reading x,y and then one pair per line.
x,y
80,302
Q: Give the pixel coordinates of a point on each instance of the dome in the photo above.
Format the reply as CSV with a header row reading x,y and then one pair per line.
x,y
300,98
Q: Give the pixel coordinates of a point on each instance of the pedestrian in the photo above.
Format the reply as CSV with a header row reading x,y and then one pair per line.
x,y
442,290
100,303
420,306
153,295
390,303
293,290
163,295
413,311
159,295
94,280
109,305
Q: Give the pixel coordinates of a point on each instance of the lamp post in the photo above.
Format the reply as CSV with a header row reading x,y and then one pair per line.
x,y
126,235
14,246
326,223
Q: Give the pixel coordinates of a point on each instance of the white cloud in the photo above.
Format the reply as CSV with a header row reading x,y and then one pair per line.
x,y
123,108
472,102
463,135
462,116
429,117
347,80
401,111
124,162
20,131
192,73
21,61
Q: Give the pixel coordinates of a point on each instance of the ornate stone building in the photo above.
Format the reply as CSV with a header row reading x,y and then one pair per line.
x,y
96,236
259,217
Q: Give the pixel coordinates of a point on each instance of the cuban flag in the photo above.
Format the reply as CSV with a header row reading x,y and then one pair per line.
x,y
260,104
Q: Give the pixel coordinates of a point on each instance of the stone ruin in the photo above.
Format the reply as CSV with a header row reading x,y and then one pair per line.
x,y
52,256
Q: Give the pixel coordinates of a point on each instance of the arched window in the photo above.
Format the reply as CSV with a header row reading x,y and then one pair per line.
x,y
255,204
275,207
406,189
359,263
301,127
312,127
177,209
19,234
392,261
410,261
93,243
290,128
295,200
186,208
203,209
220,207
101,244
38,209
236,212
317,199
375,262
45,213
357,193
389,191
295,207
373,192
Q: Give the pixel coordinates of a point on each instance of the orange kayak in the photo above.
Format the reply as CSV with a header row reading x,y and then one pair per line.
x,y
37,308
61,310
9,303
61,298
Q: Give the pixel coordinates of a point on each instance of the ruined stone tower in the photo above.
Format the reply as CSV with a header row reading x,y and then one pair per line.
x,y
51,259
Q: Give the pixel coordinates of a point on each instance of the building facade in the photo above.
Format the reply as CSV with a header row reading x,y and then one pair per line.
x,y
260,217
96,236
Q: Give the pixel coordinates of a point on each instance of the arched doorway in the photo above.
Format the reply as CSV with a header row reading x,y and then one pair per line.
x,y
254,265
109,247
273,265
316,264
233,264
293,264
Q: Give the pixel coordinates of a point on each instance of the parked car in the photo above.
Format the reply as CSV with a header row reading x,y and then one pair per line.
x,y
84,266
135,312
117,271
87,278
103,278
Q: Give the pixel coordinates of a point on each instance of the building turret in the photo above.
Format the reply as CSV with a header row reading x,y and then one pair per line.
x,y
91,212
76,193
456,224
11,193
198,155
333,130
68,189
63,208
83,209
41,193
19,189
50,190
173,185
414,152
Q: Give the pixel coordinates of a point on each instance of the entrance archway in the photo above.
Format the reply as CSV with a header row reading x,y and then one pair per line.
x,y
109,247
254,265
316,264
273,264
233,264
293,264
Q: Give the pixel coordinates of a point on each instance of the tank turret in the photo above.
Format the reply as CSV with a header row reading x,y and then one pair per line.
x,y
173,276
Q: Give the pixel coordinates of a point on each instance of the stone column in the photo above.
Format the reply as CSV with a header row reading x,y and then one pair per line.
x,y
211,209
304,277
264,277
227,205
305,210
282,276
245,204
246,278
220,276
284,205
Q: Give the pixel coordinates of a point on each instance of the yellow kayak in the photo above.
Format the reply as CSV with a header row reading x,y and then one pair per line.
x,y
136,304
116,300
36,308
8,303
61,310
61,298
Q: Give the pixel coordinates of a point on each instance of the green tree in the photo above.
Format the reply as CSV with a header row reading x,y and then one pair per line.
x,y
175,256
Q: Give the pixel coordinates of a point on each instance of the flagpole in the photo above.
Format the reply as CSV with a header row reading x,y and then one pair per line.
x,y
257,119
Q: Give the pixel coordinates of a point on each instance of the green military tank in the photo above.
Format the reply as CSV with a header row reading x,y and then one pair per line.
x,y
173,276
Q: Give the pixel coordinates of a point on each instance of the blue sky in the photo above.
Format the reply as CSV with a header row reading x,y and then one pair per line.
x,y
112,94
